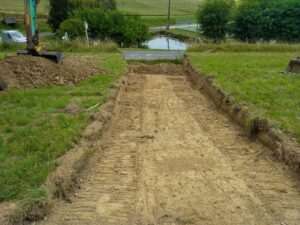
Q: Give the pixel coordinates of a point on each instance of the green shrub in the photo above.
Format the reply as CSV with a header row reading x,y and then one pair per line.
x,y
267,20
113,25
213,17
74,27
60,10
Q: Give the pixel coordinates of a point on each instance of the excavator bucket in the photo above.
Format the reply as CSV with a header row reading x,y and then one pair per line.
x,y
55,56
294,66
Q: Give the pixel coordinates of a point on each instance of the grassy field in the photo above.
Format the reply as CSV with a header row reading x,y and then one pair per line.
x,y
162,20
8,6
234,46
158,7
185,33
143,7
255,79
33,134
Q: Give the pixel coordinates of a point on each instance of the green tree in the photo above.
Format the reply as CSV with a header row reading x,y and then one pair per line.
x,y
113,25
74,27
251,23
213,17
267,20
59,11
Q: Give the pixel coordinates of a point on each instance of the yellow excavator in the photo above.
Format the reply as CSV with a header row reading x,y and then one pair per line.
x,y
34,47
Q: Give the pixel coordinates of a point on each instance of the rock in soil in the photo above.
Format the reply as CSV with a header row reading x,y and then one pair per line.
x,y
33,72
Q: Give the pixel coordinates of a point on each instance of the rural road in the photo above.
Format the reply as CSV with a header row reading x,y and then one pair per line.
x,y
171,157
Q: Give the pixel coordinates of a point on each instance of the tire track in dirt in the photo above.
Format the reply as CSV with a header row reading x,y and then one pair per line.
x,y
171,158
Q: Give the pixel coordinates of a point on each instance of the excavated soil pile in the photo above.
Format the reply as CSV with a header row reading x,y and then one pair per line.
x,y
34,72
161,68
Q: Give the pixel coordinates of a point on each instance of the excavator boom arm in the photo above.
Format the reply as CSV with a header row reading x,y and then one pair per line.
x,y
32,33
31,24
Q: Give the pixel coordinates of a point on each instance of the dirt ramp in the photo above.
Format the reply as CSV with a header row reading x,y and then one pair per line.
x,y
159,68
34,72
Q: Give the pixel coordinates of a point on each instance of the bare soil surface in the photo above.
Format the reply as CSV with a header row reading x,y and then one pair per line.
x,y
171,157
6,208
33,72
157,68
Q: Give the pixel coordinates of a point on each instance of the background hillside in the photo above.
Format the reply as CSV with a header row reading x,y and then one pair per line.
x,y
143,7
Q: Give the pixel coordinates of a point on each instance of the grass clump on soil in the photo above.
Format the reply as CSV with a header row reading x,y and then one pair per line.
x,y
255,79
244,47
34,131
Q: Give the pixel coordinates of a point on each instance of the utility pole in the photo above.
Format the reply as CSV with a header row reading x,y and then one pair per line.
x,y
169,15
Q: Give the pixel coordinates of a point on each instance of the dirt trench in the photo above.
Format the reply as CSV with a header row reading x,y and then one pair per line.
x,y
170,157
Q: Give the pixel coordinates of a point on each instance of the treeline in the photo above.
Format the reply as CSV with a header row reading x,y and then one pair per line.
x,y
251,21
104,20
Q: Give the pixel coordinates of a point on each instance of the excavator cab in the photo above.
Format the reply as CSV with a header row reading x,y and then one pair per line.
x,y
34,47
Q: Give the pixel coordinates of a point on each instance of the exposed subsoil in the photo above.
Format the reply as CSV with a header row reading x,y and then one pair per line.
x,y
170,157
33,72
158,68
6,208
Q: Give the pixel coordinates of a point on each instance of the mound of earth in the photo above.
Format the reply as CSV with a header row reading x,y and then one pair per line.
x,y
33,72
159,68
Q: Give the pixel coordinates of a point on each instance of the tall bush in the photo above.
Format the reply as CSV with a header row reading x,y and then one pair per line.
x,y
113,25
74,27
61,9
267,20
213,17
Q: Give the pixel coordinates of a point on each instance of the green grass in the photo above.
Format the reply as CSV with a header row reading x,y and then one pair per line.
x,y
234,46
143,7
255,79
8,6
162,20
8,47
33,133
158,7
185,33
79,45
